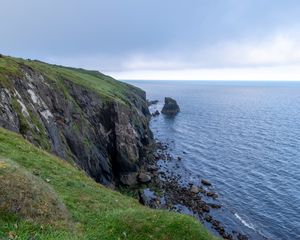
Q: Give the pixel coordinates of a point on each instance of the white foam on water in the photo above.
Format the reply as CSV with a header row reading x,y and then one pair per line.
x,y
249,225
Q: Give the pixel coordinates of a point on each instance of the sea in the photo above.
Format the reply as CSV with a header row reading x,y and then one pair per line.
x,y
244,137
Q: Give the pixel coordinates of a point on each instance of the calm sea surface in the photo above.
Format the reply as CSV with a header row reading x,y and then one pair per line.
x,y
245,138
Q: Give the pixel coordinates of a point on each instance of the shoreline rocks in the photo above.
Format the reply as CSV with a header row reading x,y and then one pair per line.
x,y
152,102
171,107
155,114
164,190
144,177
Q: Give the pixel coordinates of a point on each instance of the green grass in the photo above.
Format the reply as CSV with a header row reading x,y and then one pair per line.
x,y
94,211
107,87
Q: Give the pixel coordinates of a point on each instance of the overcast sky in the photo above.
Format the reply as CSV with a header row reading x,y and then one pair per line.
x,y
159,39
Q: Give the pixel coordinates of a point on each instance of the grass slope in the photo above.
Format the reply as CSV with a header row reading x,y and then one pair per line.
x,y
94,212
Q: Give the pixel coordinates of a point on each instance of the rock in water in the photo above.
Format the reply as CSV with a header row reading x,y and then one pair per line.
x,y
153,102
205,182
194,189
171,107
156,113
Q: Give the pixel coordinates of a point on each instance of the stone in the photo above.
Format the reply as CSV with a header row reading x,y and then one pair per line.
x,y
152,102
208,218
215,206
128,179
155,114
148,198
194,189
171,107
205,182
144,178
212,194
152,168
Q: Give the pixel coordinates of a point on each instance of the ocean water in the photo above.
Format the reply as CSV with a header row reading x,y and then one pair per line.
x,y
245,138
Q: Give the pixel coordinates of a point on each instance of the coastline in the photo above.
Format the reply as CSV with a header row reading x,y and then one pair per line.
x,y
196,197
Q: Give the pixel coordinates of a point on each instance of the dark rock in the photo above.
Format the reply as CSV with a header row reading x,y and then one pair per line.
x,y
144,177
212,194
205,182
128,179
171,107
152,102
207,218
179,158
205,208
242,237
152,168
213,205
155,114
148,198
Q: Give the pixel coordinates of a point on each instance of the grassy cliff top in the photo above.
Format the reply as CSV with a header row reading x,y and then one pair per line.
x,y
105,86
48,198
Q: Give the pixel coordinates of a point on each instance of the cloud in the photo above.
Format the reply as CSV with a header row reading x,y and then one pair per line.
x,y
278,73
282,48
279,49
275,57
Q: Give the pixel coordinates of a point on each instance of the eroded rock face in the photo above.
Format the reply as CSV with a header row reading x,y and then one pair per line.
x,y
105,138
171,107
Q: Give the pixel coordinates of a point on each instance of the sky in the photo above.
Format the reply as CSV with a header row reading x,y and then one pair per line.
x,y
159,39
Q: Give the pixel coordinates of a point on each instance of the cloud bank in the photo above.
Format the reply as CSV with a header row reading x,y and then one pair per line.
x,y
140,39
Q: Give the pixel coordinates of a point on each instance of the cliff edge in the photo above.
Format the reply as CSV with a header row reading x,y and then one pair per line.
x,y
81,116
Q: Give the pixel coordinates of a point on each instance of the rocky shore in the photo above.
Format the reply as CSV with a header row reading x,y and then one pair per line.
x,y
160,188
167,191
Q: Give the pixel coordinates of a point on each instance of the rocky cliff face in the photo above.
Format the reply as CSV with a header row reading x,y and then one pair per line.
x,y
103,129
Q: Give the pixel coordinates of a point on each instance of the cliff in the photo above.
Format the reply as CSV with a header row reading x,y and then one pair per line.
x,y
81,116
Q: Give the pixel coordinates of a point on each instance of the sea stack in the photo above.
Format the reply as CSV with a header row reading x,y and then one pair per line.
x,y
171,107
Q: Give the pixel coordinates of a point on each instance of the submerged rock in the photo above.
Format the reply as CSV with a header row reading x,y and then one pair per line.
x,y
212,194
205,182
171,107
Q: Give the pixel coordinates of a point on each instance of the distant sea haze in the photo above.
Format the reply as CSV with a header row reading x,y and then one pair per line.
x,y
245,138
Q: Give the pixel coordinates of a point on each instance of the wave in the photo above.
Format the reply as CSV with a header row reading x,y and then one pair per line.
x,y
249,225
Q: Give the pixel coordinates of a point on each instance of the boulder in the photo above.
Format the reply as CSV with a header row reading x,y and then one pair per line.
x,y
156,113
144,178
212,194
148,198
152,102
205,182
195,189
171,107
128,179
152,168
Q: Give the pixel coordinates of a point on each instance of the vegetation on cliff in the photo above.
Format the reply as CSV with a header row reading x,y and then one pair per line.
x,y
62,202
79,115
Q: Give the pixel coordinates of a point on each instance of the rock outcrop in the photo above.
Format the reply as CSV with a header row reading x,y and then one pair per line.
x,y
82,116
171,107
